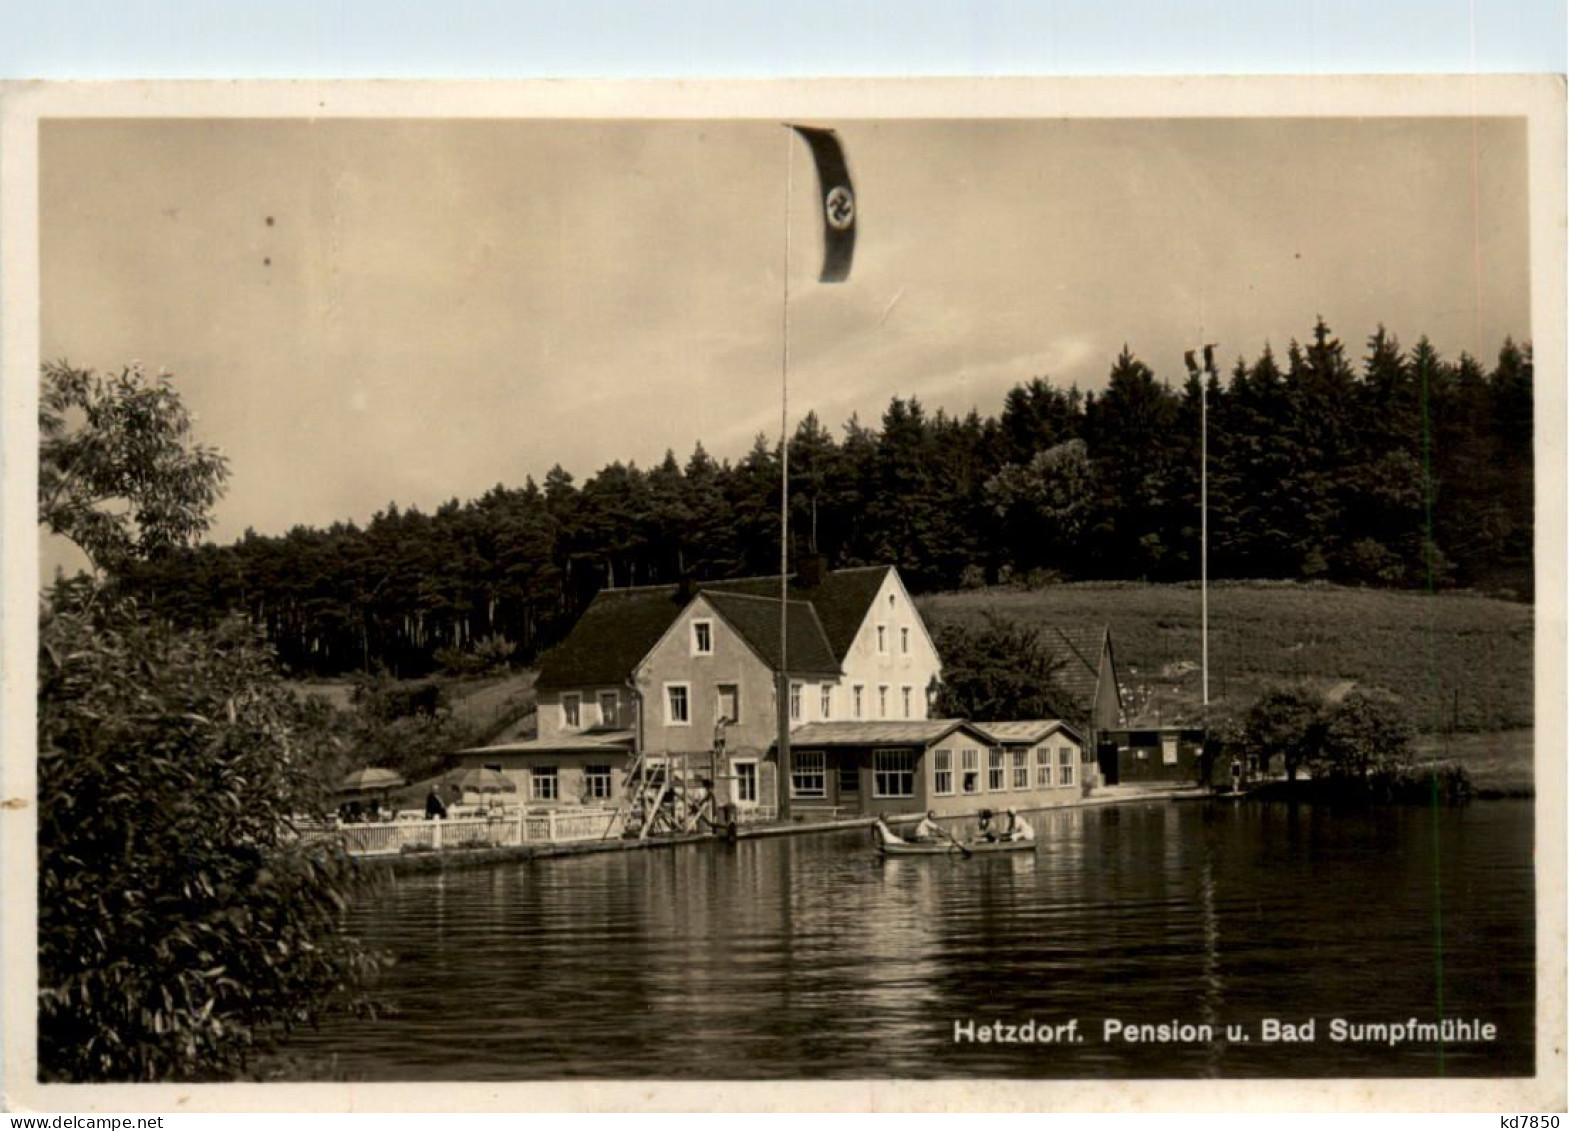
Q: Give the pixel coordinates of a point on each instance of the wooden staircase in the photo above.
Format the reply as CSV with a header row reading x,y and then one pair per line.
x,y
658,798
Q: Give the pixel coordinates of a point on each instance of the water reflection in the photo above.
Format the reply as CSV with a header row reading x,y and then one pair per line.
x,y
813,957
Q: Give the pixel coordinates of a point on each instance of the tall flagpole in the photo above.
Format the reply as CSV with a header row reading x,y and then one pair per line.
x,y
782,692
1204,522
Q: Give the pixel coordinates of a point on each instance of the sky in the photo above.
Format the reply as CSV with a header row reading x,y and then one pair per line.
x,y
361,312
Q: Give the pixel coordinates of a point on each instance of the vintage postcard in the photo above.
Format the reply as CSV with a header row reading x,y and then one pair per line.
x,y
997,595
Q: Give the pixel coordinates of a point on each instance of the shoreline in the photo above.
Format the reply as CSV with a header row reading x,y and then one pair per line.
x,y
456,858
437,861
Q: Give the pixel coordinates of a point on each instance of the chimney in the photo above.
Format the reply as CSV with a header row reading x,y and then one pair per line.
x,y
686,589
809,570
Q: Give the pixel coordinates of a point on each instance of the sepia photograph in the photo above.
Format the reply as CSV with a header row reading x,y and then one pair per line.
x,y
1027,584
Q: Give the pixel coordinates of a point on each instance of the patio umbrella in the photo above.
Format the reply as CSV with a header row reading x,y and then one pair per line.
x,y
481,779
372,779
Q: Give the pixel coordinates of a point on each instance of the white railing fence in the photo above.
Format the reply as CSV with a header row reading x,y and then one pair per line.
x,y
496,830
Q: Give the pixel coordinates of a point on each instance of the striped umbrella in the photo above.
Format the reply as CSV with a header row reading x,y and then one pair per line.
x,y
372,779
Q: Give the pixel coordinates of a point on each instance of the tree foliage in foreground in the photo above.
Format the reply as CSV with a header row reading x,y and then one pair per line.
x,y
183,925
118,472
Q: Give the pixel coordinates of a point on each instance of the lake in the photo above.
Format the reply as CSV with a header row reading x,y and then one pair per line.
x,y
810,957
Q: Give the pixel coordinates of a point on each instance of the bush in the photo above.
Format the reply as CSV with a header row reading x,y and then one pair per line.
x,y
1285,720
385,699
1366,735
492,654
183,926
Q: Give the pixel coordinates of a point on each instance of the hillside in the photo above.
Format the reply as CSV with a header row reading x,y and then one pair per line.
x,y
483,708
1462,661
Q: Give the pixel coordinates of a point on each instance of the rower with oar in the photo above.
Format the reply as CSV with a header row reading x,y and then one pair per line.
x,y
930,830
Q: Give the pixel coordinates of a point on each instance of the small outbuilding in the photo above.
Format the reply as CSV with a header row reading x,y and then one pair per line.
x,y
1165,754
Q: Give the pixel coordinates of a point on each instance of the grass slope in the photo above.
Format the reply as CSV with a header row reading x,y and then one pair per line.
x,y
1459,660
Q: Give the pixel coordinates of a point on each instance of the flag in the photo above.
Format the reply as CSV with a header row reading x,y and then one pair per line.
x,y
838,202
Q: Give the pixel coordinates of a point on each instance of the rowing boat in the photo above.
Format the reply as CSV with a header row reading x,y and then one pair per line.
x,y
941,848
891,844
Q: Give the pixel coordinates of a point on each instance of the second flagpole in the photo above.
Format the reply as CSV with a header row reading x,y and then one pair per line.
x,y
782,687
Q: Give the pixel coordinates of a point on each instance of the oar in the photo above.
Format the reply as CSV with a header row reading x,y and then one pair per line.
x,y
955,842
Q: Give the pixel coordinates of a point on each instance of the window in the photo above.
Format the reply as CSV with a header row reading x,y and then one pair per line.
x,y
905,694
942,771
970,764
882,640
678,708
904,641
882,701
702,638
893,773
728,703
745,783
826,701
571,712
544,783
857,694
808,775
1168,749
996,775
1043,767
1064,765
1021,770
596,782
849,775
795,702
609,712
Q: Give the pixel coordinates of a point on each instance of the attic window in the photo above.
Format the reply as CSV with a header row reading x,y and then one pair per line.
x,y
702,638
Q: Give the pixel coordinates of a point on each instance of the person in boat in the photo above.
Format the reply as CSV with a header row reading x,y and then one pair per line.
x,y
928,829
883,833
1018,828
986,831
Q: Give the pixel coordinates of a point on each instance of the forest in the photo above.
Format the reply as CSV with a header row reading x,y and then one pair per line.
x,y
1389,467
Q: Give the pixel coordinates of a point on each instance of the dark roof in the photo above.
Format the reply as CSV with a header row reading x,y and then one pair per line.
x,y
1080,650
617,630
621,626
756,619
842,599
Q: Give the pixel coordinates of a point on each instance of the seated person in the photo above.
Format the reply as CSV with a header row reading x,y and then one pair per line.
x,y
929,829
883,833
1018,828
986,831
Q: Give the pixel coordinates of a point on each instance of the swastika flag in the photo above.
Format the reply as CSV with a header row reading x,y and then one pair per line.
x,y
838,202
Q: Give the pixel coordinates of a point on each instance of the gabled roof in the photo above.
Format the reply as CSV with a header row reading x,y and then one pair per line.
x,y
1080,650
842,598
612,636
756,620
901,732
621,626
1025,731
